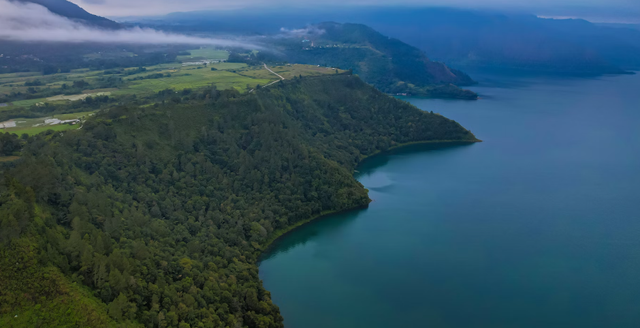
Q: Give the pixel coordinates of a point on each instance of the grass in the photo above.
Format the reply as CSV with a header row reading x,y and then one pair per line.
x,y
77,97
226,76
8,158
72,116
16,77
288,71
228,66
31,102
194,78
109,55
14,82
26,125
35,130
204,54
25,103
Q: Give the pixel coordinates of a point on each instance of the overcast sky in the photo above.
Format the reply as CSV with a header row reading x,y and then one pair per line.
x,y
24,21
610,10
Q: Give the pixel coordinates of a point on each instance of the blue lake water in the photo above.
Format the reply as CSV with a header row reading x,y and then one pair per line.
x,y
538,226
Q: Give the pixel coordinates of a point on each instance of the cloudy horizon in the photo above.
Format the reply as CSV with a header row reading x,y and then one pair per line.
x,y
622,11
34,23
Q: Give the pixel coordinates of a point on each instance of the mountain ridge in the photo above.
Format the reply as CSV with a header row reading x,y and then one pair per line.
x,y
463,38
468,38
74,12
388,63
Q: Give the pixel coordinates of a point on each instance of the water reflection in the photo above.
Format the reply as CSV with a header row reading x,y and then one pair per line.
x,y
325,226
369,165
372,179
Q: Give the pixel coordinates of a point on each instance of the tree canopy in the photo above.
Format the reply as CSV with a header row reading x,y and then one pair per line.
x,y
156,215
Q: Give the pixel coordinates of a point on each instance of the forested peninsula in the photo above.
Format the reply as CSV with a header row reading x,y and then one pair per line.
x,y
389,64
154,215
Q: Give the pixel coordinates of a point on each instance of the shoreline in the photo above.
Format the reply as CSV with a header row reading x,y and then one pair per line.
x,y
413,143
282,232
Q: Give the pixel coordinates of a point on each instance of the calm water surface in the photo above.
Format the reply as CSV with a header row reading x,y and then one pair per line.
x,y
538,226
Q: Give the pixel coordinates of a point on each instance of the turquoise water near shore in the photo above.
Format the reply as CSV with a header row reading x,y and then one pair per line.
x,y
538,226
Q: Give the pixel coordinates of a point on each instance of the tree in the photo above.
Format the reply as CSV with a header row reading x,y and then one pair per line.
x,y
165,209
118,307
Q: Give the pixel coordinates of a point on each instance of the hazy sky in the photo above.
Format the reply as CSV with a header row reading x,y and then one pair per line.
x,y
626,9
30,22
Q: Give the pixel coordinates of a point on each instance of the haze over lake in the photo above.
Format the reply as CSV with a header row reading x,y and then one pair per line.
x,y
535,227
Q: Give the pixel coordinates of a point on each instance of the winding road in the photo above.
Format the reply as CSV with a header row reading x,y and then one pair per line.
x,y
272,72
269,69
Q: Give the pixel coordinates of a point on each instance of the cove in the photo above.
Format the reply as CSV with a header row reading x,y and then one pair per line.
x,y
538,226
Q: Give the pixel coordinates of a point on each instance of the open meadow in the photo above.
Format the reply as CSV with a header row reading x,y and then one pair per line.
x,y
203,67
54,122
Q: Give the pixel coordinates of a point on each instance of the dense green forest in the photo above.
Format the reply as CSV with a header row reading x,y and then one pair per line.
x,y
155,215
389,64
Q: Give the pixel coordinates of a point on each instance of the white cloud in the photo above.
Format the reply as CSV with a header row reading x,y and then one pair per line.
x,y
309,31
30,22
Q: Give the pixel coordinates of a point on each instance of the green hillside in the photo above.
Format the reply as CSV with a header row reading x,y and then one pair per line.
x,y
389,64
157,214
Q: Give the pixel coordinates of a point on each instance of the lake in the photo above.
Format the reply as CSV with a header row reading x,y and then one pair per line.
x,y
538,226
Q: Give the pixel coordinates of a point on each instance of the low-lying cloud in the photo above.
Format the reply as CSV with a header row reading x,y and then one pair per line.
x,y
34,23
308,31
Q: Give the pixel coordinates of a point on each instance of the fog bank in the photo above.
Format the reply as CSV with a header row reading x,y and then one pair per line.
x,y
33,23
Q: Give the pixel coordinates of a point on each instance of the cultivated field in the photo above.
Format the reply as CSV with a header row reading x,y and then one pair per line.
x,y
204,54
150,80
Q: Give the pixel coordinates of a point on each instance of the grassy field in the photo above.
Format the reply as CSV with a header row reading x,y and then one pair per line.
x,y
24,103
30,102
225,76
228,66
35,130
194,78
8,158
72,116
287,71
16,77
28,125
14,82
77,97
109,55
204,54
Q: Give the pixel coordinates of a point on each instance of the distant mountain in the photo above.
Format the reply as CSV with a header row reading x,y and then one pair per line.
x,y
620,25
481,39
389,64
466,39
75,12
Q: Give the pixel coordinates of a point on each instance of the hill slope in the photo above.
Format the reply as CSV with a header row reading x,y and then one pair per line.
x,y
389,64
75,12
163,210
